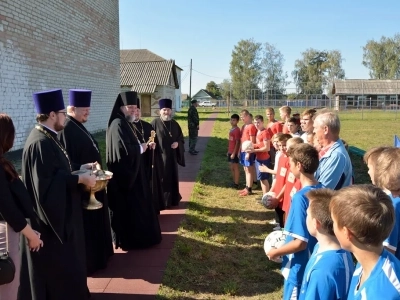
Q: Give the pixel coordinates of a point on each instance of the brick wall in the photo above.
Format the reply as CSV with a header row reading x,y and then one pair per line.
x,y
47,44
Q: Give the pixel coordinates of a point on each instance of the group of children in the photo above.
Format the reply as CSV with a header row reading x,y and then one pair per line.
x,y
323,227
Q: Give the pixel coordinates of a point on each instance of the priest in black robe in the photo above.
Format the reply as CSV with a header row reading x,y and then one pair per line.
x,y
58,270
171,140
151,160
82,148
134,219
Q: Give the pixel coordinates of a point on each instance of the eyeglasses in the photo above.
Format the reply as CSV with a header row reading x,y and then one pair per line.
x,y
62,112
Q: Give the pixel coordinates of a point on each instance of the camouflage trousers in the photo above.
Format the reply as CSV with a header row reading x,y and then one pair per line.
x,y
193,134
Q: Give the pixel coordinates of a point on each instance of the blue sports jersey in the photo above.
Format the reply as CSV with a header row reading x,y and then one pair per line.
x,y
327,275
393,240
293,265
382,283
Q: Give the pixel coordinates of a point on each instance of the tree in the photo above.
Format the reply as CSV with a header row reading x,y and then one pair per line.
x,y
213,88
273,76
225,89
317,70
245,68
383,58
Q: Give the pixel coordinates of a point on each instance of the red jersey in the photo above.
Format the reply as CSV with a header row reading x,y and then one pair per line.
x,y
275,127
248,130
281,172
285,128
292,186
262,136
234,135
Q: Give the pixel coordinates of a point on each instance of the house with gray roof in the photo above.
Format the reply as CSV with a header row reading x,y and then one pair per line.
x,y
366,93
152,77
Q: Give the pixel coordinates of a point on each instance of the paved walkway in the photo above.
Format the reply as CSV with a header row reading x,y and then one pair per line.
x,y
138,274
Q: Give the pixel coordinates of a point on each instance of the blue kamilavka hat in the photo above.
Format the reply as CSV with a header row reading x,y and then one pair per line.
x,y
165,103
80,98
48,101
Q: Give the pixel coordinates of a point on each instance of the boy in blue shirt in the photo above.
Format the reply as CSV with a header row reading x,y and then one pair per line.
x,y
363,217
386,162
299,244
330,268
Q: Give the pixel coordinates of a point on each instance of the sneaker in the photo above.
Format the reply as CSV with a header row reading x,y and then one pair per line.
x,y
272,222
192,153
277,228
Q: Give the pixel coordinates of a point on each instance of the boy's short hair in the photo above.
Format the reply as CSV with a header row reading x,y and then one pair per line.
x,y
366,211
277,136
373,154
286,109
294,120
245,112
319,200
270,109
284,137
235,116
387,169
296,140
309,112
259,117
306,155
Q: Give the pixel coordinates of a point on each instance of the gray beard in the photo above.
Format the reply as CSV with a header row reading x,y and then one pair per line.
x,y
166,118
130,119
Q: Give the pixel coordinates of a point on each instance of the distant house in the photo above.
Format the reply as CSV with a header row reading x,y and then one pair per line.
x,y
152,77
356,93
204,95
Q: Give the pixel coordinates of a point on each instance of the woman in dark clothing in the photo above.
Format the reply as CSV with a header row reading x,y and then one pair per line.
x,y
15,207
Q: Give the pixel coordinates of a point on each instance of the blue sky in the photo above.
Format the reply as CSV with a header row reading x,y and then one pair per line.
x,y
206,31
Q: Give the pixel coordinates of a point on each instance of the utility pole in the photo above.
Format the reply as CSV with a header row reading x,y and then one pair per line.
x,y
190,81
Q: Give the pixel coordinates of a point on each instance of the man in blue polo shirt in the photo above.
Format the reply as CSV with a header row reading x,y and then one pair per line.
x,y
335,170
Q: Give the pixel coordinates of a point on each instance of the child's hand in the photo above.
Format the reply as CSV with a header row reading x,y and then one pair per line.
x,y
233,156
272,255
247,157
249,150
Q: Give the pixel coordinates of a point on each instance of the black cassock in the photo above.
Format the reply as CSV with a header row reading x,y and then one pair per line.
x,y
153,164
169,132
134,219
82,148
58,270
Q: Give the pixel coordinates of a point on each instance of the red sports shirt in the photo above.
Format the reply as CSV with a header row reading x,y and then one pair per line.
x,y
234,135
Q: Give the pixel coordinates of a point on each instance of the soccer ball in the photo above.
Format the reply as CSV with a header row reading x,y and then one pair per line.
x,y
266,200
275,239
247,145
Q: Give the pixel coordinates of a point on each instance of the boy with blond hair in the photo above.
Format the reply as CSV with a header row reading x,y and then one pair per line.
x,y
284,113
384,169
363,217
330,268
299,244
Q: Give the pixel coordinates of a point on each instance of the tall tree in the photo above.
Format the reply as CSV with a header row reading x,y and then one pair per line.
x,y
273,76
225,89
383,58
245,69
213,88
317,70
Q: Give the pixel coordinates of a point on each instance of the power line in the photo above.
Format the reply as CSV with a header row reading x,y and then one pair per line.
x,y
208,75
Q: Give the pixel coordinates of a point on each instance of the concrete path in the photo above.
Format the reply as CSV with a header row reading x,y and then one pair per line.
x,y
138,274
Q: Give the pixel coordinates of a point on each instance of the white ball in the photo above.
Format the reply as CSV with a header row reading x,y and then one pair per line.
x,y
275,239
266,200
247,145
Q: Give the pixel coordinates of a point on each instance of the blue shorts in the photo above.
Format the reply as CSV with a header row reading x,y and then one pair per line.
x,y
262,175
247,163
235,160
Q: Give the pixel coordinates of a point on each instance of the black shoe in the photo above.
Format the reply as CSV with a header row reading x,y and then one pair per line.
x,y
192,153
196,151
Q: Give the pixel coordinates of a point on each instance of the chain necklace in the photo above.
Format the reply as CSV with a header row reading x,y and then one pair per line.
x,y
142,132
41,129
133,131
170,124
88,135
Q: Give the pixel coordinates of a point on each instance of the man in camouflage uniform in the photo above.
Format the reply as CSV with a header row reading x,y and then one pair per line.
x,y
193,125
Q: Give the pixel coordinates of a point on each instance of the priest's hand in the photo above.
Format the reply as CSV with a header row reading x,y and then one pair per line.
x,y
91,166
152,145
174,145
144,147
87,179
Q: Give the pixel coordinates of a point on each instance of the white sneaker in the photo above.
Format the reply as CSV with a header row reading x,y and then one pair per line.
x,y
272,222
277,228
